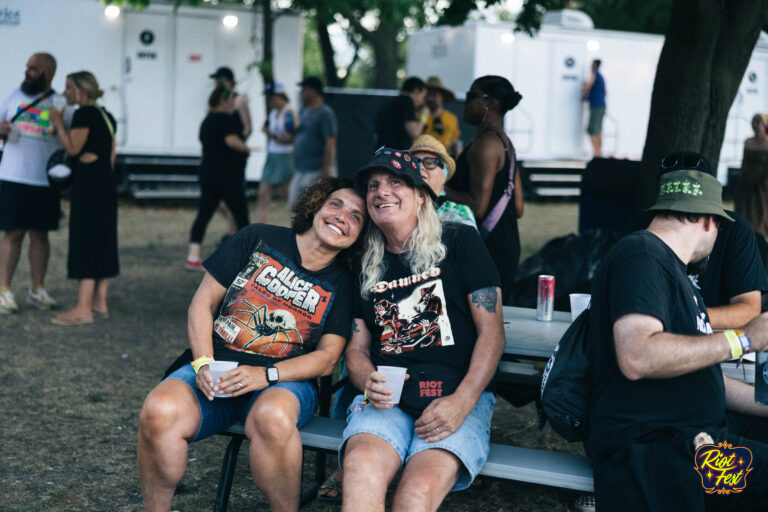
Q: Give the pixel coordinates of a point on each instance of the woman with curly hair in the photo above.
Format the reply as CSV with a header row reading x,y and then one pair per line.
x,y
277,301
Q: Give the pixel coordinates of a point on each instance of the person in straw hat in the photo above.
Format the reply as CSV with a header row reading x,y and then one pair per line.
x,y
436,167
442,124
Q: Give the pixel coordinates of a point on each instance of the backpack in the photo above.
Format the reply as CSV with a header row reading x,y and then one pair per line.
x,y
566,384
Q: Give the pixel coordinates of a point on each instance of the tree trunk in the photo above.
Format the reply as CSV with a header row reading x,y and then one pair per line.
x,y
384,43
329,65
707,48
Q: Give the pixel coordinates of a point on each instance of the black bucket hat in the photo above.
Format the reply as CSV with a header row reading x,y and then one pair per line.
x,y
396,161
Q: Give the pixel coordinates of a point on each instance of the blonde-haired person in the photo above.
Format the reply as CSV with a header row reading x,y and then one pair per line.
x,y
437,167
429,301
752,190
92,257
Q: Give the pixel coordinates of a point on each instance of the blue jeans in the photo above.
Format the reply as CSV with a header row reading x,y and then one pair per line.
x,y
218,414
470,443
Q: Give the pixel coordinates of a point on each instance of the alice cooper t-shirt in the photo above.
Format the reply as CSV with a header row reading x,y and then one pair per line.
x,y
274,308
425,317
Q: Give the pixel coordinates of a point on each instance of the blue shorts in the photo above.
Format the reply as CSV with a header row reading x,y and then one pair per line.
x,y
219,413
470,443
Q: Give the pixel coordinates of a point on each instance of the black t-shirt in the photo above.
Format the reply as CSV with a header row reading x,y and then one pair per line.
x,y
274,308
426,317
643,275
100,138
390,123
735,265
219,160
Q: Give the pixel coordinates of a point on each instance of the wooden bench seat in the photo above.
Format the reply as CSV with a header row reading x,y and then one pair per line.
x,y
562,470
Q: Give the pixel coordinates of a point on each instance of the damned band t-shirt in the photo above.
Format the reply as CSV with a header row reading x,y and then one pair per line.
x,y
425,317
641,274
274,308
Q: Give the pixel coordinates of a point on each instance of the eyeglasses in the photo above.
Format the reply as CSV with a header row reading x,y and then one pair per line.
x,y
429,162
473,95
673,162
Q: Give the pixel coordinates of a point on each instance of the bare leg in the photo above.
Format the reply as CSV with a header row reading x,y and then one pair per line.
x,y
427,479
99,301
597,145
275,448
39,251
370,464
262,205
194,252
10,249
83,308
169,417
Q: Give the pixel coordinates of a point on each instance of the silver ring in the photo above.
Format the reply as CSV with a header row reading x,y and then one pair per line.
x,y
241,385
437,429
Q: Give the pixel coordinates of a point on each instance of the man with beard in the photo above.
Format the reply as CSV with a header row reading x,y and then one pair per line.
x,y
27,203
658,392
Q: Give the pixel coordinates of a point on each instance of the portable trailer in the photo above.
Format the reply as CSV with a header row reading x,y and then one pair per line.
x,y
548,127
154,66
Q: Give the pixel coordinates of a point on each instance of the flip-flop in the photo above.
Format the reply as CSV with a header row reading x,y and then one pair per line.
x,y
330,486
74,321
99,314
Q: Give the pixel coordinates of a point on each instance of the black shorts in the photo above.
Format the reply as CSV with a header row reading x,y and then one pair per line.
x,y
28,207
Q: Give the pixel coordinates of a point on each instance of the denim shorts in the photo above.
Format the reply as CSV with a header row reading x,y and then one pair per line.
x,y
470,443
219,413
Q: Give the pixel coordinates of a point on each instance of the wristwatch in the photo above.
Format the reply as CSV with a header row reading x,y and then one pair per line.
x,y
272,375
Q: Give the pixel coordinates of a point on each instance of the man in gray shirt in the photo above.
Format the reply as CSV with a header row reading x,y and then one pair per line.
x,y
314,149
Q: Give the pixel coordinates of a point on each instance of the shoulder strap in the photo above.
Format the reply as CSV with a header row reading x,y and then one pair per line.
x,y
106,120
498,209
38,100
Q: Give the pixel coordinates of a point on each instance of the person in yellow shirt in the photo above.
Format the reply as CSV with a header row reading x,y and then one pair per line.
x,y
442,124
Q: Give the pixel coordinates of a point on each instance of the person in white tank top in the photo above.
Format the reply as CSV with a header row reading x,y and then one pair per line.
x,y
280,127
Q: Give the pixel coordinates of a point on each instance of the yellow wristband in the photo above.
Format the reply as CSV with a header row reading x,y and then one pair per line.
x,y
201,361
733,340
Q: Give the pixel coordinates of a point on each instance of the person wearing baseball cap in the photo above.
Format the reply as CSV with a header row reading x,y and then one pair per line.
x,y
436,167
429,301
314,147
658,392
441,124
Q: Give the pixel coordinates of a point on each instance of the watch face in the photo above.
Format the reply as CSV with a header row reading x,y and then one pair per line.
x,y
272,374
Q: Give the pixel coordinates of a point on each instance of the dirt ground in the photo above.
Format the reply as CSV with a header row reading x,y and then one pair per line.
x,y
73,394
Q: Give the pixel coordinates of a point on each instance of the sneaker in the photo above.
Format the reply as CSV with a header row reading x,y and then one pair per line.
x,y
585,503
8,302
40,299
194,264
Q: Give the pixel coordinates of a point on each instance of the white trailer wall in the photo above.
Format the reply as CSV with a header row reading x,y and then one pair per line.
x,y
153,65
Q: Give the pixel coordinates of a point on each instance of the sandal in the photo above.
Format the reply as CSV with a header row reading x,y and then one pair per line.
x,y
330,491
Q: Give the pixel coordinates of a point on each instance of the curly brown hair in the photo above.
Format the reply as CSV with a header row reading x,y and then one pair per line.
x,y
312,199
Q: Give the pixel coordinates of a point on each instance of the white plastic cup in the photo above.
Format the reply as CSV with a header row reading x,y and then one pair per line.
x,y
395,376
579,302
217,369
58,102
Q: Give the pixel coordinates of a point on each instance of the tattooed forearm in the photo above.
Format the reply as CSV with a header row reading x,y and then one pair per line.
x,y
354,327
485,298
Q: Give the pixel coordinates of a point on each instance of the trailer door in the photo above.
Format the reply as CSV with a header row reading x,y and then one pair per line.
x,y
147,73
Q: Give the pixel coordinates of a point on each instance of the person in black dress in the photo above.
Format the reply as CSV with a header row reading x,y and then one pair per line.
x,y
483,173
221,170
92,257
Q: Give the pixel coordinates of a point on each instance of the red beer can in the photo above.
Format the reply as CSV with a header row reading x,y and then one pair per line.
x,y
545,301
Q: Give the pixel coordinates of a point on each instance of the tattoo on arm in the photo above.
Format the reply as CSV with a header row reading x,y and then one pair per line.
x,y
354,327
485,298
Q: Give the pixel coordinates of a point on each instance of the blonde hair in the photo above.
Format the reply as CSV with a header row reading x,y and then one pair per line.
x,y
87,82
425,248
